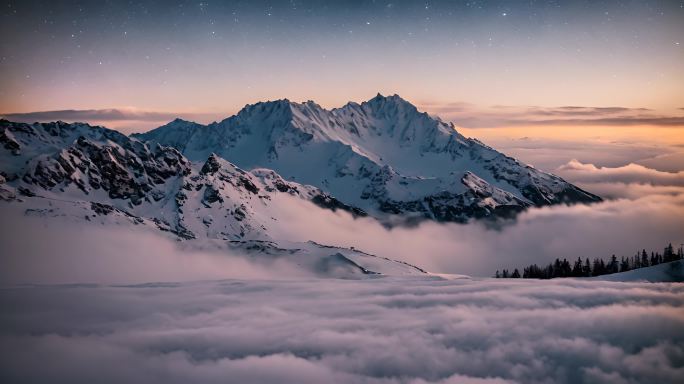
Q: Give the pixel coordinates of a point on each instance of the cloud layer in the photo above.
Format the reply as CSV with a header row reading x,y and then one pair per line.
x,y
631,173
632,181
70,250
646,211
548,154
620,227
384,330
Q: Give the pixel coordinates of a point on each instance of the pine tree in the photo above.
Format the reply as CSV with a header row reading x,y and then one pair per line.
x,y
596,269
563,268
586,270
624,264
644,258
613,265
668,254
577,268
566,268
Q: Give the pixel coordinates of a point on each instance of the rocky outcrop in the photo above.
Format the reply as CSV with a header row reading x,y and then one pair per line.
x,y
133,172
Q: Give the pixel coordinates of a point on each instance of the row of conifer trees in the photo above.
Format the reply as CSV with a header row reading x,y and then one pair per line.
x,y
597,267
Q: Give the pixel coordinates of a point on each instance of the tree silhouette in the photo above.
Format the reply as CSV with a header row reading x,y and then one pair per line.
x,y
563,268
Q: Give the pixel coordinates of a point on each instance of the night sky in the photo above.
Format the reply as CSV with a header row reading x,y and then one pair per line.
x,y
210,58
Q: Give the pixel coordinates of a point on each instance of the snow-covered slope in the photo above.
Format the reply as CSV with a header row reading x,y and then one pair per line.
x,y
75,172
664,272
383,156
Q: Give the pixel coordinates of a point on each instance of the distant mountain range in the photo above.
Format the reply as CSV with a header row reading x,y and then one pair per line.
x,y
225,181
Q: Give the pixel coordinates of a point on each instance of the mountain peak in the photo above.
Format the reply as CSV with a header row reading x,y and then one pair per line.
x,y
391,98
178,122
390,102
269,106
211,165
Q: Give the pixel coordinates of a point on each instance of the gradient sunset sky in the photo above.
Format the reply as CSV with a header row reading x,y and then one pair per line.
x,y
477,63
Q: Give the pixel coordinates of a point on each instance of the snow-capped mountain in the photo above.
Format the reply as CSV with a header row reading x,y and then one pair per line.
x,y
382,156
76,172
230,182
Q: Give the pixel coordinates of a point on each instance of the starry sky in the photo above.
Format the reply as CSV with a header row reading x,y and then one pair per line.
x,y
463,60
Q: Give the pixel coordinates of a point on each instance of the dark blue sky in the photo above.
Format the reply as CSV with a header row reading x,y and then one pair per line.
x,y
210,56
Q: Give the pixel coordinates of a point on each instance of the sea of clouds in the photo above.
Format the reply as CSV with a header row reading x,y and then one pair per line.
x,y
381,330
225,318
643,209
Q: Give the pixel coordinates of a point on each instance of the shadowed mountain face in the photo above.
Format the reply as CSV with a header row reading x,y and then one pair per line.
x,y
382,156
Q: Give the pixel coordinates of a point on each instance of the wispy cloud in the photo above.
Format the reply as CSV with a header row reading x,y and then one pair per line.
x,y
461,113
471,116
631,181
619,120
583,111
127,120
85,115
631,173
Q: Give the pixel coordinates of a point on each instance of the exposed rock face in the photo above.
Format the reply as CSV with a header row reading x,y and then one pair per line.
x,y
241,199
124,173
140,181
91,158
6,192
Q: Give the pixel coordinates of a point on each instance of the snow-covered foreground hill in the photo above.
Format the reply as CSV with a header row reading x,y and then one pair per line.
x,y
382,330
666,272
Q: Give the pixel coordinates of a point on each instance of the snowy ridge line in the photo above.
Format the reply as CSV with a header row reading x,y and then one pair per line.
x,y
382,156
